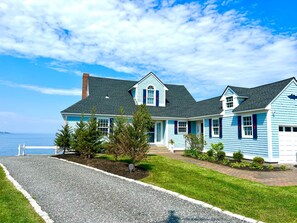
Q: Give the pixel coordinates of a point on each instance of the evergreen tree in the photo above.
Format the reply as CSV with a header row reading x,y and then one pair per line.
x,y
93,137
79,137
63,138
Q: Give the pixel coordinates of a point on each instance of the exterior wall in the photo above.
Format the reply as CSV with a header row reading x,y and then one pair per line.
x,y
229,93
249,147
179,140
151,80
133,92
283,112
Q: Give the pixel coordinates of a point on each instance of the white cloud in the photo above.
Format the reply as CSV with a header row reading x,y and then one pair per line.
x,y
44,90
188,43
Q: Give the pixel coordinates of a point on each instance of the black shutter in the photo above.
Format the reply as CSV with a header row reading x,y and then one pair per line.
x,y
239,127
175,127
201,128
221,127
189,127
144,96
255,130
157,98
110,125
210,129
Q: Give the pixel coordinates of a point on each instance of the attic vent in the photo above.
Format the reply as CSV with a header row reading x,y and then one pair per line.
x,y
106,96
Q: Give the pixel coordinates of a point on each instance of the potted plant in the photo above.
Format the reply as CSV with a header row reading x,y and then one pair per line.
x,y
171,145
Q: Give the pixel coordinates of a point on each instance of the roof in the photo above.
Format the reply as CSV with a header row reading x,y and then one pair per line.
x,y
212,106
149,74
178,100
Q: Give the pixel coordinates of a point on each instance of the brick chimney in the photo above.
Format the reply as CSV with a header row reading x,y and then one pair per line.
x,y
85,85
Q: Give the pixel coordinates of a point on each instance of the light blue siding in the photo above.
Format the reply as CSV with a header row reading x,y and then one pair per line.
x,y
249,147
178,139
133,91
229,92
151,80
72,120
284,112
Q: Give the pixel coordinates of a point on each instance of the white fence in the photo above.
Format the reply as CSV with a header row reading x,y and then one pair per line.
x,y
22,148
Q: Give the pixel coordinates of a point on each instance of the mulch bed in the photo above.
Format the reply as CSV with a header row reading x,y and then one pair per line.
x,y
118,168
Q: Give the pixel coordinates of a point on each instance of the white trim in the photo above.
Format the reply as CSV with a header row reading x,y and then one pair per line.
x,y
33,203
175,194
252,110
269,135
182,133
154,101
215,135
242,127
155,132
166,133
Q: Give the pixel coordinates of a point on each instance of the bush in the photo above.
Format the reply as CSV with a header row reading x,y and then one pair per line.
x,y
243,164
258,160
196,143
225,162
221,155
191,152
217,148
256,166
270,167
238,156
283,167
203,156
210,152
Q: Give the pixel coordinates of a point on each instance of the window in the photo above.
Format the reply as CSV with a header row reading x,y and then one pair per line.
x,y
182,127
247,126
103,126
215,127
229,102
150,95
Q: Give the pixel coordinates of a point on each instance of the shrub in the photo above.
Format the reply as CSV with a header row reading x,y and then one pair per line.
x,y
225,162
216,149
283,167
270,167
256,166
221,155
243,164
258,160
238,156
63,138
196,143
210,152
203,156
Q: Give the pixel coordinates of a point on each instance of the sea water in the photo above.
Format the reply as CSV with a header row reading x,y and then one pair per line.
x,y
9,143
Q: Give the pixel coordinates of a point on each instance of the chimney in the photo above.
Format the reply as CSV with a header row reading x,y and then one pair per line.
x,y
85,85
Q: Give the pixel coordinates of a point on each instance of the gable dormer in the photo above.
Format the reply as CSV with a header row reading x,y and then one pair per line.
x,y
150,90
231,99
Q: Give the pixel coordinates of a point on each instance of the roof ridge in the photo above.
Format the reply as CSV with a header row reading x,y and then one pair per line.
x,y
209,99
114,79
264,85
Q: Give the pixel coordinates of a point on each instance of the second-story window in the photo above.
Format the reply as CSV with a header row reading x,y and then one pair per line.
x,y
150,95
229,102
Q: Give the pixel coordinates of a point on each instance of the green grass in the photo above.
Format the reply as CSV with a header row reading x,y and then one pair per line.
x,y
254,200
14,207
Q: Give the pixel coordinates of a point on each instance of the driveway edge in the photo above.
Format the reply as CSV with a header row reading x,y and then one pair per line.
x,y
33,203
183,197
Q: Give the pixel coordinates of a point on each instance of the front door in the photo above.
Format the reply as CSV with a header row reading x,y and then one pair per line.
x,y
158,132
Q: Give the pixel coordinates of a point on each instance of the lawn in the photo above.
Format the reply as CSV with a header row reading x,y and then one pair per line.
x,y
251,199
254,200
14,207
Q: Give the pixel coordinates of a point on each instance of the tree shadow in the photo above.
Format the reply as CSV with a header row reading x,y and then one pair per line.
x,y
174,218
145,166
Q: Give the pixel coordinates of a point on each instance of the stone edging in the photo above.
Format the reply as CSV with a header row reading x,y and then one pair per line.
x,y
33,203
201,203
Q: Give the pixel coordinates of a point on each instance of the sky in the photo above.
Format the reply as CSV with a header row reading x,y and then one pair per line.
x,y
45,46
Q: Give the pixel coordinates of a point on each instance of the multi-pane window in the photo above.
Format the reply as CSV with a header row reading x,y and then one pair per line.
x,y
229,102
150,95
215,127
103,125
182,127
247,125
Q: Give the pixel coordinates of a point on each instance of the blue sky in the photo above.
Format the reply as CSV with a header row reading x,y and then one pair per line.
x,y
45,46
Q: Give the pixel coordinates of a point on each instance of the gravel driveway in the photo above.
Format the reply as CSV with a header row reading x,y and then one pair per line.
x,y
71,193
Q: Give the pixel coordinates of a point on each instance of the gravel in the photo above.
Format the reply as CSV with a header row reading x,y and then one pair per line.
x,y
72,193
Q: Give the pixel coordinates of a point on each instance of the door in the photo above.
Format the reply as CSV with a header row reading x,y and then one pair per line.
x,y
287,144
158,132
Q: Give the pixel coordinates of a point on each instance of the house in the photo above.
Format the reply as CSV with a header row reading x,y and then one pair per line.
x,y
259,121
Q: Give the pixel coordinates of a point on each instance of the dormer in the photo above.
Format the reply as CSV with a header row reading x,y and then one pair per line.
x,y
230,99
150,90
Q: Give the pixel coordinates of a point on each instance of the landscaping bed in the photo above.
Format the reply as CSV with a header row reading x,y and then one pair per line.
x,y
101,162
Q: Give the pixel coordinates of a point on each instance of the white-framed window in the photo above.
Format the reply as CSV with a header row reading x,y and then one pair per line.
x,y
182,127
229,102
150,95
215,128
247,126
103,125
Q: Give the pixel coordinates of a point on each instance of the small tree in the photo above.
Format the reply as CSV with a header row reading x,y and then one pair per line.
x,y
63,138
217,148
79,137
196,144
133,138
114,146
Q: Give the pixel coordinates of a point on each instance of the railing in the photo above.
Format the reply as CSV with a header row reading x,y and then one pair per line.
x,y
22,148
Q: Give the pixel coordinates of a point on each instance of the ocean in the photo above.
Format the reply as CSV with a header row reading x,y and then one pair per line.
x,y
9,143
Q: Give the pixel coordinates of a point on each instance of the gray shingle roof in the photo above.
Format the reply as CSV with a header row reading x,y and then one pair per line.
x,y
178,100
